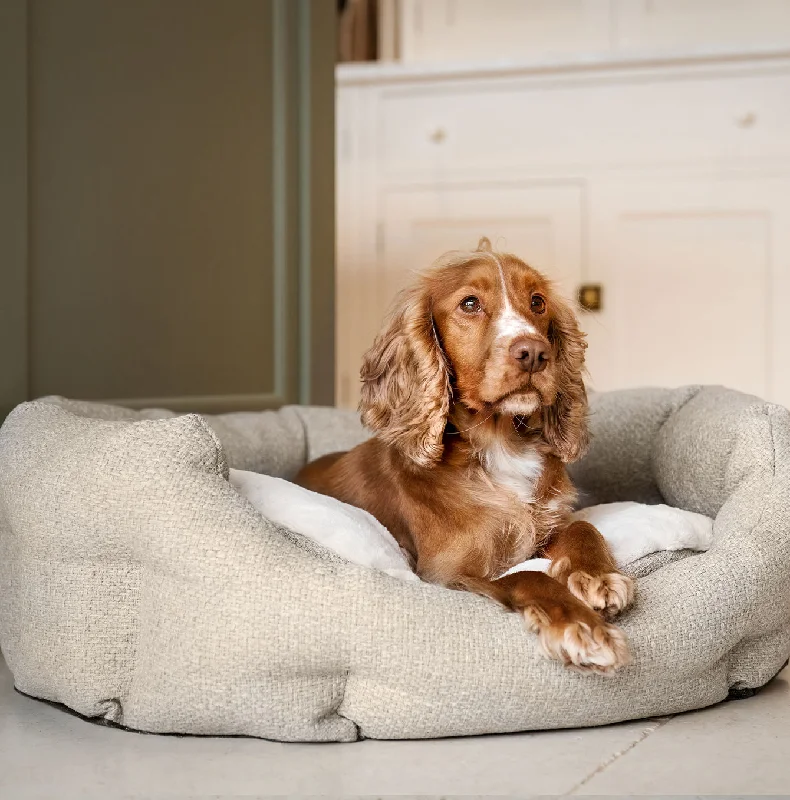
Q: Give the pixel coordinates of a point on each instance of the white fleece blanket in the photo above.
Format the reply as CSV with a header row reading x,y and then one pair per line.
x,y
632,530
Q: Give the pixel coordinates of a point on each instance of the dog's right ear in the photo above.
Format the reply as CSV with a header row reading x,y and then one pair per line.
x,y
406,382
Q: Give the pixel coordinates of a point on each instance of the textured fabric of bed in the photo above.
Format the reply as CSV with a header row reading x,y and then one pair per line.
x,y
137,585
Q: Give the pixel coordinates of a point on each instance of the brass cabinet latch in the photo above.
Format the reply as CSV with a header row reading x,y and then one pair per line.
x,y
590,296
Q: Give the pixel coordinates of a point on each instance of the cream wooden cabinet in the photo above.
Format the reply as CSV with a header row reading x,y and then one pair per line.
x,y
666,180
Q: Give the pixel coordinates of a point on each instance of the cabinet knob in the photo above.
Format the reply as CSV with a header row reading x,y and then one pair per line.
x,y
438,135
590,296
746,120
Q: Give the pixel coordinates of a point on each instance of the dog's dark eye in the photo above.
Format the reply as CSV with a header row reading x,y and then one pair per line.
x,y
471,305
538,304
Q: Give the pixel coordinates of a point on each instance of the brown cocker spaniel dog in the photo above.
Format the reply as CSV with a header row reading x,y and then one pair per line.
x,y
474,390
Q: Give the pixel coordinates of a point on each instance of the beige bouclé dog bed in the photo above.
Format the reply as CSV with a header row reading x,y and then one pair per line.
x,y
137,586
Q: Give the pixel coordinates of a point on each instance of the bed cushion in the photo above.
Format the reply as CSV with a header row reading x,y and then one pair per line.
x,y
139,587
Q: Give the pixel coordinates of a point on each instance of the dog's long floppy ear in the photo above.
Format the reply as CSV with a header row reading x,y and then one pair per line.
x,y
565,422
406,382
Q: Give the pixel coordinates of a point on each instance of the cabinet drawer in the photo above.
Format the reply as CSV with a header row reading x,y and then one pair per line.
x,y
612,120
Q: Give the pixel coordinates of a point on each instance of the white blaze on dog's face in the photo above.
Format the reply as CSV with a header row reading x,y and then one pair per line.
x,y
497,320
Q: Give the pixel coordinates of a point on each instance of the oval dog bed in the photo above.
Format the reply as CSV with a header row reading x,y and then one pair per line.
x,y
137,586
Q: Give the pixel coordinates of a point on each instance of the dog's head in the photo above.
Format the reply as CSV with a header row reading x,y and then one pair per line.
x,y
484,330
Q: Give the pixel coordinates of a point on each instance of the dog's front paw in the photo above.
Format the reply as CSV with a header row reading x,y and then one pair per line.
x,y
592,646
609,594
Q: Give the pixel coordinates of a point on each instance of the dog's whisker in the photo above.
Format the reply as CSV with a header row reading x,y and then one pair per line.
x,y
466,430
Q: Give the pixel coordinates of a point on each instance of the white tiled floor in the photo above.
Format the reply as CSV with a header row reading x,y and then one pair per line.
x,y
735,748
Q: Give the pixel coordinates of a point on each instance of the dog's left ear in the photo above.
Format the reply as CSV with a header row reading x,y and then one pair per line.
x,y
565,422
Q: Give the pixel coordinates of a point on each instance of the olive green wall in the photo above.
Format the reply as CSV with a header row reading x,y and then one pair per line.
x,y
167,202
13,206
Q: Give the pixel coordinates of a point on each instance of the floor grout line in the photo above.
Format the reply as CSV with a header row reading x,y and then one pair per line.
x,y
658,723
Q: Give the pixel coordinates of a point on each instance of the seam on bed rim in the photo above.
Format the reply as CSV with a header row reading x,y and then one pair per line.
x,y
766,411
672,412
768,414
336,709
295,410
220,456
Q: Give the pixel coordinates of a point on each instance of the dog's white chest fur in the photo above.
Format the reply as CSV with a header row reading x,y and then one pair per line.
x,y
517,473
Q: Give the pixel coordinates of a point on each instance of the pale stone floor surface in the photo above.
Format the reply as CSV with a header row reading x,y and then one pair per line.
x,y
740,748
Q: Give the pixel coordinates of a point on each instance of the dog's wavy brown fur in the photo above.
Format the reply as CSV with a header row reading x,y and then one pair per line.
x,y
466,469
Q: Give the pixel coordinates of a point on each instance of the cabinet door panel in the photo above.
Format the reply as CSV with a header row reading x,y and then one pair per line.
x,y
541,224
691,270
449,30
653,25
